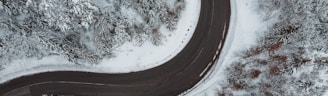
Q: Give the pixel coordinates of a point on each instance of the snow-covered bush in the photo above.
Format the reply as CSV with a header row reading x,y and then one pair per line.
x,y
84,31
290,59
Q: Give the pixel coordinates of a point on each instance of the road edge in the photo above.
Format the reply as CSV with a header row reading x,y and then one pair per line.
x,y
208,78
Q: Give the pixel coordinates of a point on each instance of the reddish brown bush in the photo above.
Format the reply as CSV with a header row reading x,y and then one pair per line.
x,y
253,52
274,47
238,86
280,58
274,70
255,74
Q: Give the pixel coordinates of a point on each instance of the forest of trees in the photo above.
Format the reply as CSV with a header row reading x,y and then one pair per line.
x,y
290,59
83,31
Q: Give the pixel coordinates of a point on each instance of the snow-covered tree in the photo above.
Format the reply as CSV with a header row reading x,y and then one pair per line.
x,y
84,31
291,58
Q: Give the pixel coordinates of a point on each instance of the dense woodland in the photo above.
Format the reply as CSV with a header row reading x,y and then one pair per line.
x,y
83,31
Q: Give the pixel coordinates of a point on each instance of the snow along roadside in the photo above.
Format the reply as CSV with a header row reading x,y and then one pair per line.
x,y
129,58
243,29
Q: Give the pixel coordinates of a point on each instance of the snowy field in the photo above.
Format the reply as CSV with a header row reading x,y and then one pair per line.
x,y
128,58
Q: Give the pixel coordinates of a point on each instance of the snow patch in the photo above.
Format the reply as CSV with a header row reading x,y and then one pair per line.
x,y
170,3
102,3
326,93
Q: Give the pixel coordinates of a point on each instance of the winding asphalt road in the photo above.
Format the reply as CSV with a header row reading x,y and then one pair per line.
x,y
169,79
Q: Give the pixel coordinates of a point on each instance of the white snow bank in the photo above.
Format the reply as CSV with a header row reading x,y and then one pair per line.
x,y
243,32
129,58
32,66
326,93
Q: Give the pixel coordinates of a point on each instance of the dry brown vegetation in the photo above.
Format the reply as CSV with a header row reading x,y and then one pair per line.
x,y
275,46
288,58
255,74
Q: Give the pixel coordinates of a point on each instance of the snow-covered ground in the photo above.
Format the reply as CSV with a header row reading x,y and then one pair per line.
x,y
128,57
326,93
244,28
132,58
